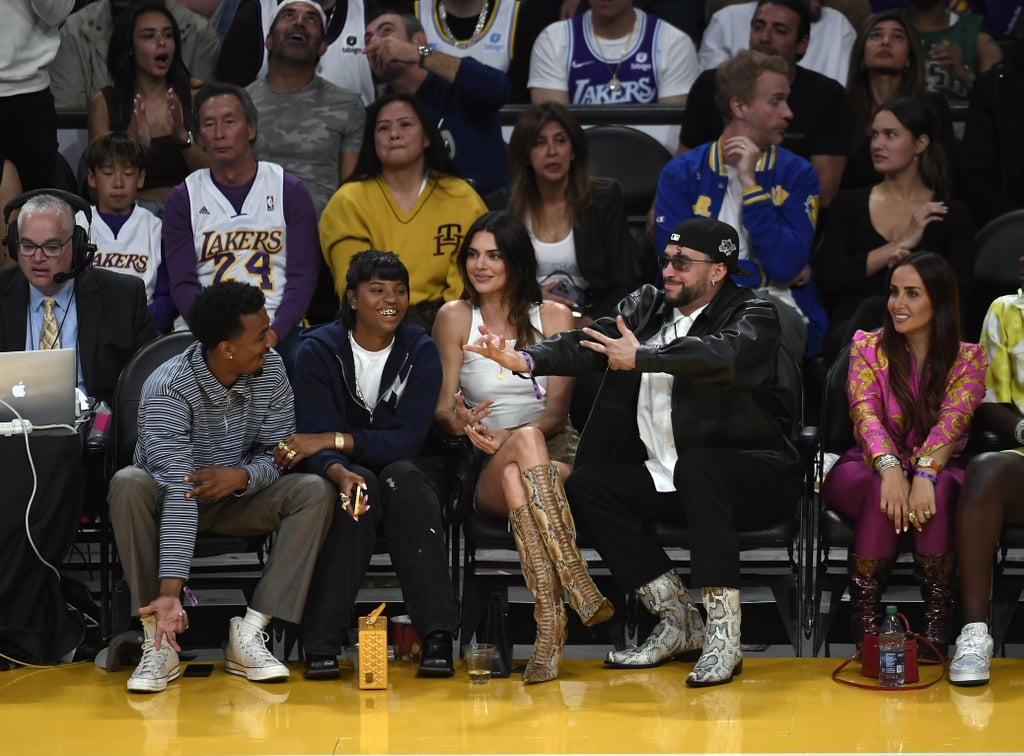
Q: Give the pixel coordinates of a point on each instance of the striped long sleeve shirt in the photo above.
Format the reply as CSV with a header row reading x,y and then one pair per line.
x,y
189,420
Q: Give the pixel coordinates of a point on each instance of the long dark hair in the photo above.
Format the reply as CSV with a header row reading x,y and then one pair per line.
x,y
918,117
121,64
940,283
365,266
436,158
521,288
523,195
858,84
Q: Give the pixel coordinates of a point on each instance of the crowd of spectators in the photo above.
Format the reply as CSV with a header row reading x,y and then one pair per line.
x,y
272,141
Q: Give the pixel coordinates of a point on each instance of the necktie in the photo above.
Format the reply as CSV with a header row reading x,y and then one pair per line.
x,y
49,338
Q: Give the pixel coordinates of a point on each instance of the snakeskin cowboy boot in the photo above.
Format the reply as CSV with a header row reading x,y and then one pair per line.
x,y
679,629
722,656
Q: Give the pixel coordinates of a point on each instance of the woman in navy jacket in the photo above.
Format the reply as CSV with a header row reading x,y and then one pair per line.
x,y
365,391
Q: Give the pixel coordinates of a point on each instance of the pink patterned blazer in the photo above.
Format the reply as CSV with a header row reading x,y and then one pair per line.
x,y
878,423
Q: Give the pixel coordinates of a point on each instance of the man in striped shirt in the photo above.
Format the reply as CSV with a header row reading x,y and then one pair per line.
x,y
209,421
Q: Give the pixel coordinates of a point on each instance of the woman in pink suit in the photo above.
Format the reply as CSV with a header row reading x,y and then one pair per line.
x,y
913,387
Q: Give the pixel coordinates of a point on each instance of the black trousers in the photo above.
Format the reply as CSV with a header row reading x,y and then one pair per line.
x,y
28,137
718,493
407,499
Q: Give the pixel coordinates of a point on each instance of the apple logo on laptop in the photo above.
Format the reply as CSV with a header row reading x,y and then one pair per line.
x,y
18,390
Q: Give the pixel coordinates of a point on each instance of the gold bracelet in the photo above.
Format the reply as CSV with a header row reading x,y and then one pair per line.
x,y
339,441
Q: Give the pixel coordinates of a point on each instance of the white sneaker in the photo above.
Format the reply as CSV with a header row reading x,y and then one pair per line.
x,y
156,668
247,655
973,654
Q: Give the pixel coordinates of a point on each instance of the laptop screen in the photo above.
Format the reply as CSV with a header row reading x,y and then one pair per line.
x,y
39,385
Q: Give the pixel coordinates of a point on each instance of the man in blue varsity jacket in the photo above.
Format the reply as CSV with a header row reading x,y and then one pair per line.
x,y
769,194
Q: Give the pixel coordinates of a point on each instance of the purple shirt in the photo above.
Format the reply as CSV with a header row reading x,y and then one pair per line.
x,y
302,265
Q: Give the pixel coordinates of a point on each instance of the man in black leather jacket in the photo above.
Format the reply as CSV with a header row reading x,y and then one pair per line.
x,y
691,424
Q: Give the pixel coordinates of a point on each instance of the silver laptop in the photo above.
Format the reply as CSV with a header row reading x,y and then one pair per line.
x,y
40,385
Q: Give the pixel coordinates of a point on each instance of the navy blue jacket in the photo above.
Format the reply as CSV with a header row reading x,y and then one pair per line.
x,y
326,399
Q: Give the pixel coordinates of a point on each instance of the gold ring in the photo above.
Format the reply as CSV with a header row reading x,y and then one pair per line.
x,y
290,454
282,445
912,516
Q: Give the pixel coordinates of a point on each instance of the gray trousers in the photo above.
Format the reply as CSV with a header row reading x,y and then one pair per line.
x,y
296,508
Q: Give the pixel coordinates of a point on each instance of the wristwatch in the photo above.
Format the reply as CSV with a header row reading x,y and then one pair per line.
x,y
425,52
925,463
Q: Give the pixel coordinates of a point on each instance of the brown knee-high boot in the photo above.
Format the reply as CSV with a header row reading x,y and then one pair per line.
x,y
550,509
867,582
549,607
935,574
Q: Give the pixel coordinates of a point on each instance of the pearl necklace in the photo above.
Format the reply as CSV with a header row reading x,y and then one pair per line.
x,y
478,30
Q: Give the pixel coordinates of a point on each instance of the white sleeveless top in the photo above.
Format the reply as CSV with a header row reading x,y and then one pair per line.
x,y
514,400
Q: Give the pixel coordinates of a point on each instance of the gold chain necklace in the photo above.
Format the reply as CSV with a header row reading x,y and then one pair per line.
x,y
478,30
614,84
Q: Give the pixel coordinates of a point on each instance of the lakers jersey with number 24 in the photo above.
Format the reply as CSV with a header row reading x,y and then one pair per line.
x,y
249,246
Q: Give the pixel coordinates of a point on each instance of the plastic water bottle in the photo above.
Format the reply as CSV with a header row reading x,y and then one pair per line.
x,y
890,650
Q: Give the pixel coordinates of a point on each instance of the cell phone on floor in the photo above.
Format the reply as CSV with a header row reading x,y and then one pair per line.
x,y
198,670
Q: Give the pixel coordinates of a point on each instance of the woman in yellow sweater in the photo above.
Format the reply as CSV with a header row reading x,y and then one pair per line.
x,y
403,197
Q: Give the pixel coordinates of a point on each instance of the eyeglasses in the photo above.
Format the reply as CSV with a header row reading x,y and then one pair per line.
x,y
682,263
50,249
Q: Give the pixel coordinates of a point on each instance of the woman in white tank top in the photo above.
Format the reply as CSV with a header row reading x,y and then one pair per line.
x,y
515,420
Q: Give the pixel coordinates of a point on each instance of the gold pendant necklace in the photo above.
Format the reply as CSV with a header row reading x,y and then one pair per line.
x,y
478,30
614,84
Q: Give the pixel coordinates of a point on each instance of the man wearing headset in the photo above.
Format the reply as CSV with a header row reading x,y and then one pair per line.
x,y
101,314
104,317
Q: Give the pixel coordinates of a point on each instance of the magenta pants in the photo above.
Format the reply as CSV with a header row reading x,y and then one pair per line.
x,y
854,490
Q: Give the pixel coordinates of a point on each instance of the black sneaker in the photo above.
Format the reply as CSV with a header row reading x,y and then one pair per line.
x,y
322,667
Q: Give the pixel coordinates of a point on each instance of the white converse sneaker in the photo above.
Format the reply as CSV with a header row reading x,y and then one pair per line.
x,y
247,655
973,654
156,668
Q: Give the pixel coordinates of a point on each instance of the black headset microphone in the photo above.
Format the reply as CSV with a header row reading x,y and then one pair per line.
x,y
76,266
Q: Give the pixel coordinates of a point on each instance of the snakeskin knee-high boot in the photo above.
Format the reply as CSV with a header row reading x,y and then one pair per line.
x,y
549,606
550,509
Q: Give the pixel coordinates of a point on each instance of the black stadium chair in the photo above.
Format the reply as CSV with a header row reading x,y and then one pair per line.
x,y
631,157
997,253
634,159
